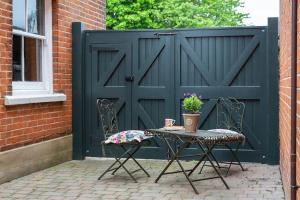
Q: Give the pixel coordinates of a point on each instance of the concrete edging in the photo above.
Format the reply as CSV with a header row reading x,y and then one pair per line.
x,y
22,161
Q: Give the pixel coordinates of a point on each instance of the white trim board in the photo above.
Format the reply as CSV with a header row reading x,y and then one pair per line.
x,y
28,99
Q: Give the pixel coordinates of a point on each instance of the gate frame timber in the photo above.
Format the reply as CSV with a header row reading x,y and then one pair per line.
x,y
271,95
78,79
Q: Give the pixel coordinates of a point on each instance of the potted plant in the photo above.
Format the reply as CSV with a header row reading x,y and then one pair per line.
x,y
191,105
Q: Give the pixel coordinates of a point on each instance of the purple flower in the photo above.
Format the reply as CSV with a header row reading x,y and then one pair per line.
x,y
186,95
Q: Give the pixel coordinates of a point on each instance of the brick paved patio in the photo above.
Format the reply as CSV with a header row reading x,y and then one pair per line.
x,y
78,180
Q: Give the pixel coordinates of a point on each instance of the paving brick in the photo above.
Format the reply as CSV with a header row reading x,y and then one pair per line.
x,y
78,180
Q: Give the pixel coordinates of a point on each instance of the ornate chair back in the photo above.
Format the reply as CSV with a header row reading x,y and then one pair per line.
x,y
108,117
230,114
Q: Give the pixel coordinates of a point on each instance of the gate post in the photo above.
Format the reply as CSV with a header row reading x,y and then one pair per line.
x,y
273,89
77,91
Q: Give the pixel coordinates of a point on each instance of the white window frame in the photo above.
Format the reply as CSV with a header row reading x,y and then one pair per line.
x,y
21,88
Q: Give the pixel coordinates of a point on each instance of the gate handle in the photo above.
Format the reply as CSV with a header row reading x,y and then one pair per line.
x,y
129,78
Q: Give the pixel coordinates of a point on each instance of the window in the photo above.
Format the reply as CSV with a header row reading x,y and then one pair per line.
x,y
32,53
32,47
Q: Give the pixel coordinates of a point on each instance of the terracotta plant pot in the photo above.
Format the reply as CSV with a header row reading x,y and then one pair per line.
x,y
191,122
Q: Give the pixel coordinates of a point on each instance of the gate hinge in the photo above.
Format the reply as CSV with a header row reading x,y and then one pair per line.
x,y
166,33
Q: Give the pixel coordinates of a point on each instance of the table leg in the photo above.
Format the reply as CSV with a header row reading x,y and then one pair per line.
x,y
175,157
212,155
212,164
200,161
187,177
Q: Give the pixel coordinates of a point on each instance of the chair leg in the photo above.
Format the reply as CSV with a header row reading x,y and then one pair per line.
x,y
140,166
110,168
234,157
202,167
130,155
128,172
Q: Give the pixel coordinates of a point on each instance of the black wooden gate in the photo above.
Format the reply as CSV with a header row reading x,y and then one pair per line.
x,y
147,72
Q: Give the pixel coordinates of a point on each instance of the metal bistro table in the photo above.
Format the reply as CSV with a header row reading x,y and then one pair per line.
x,y
206,140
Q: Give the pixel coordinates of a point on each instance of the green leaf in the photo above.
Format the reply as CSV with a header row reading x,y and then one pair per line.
x,y
192,104
144,14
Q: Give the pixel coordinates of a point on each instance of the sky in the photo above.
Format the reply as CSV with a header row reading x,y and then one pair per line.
x,y
259,11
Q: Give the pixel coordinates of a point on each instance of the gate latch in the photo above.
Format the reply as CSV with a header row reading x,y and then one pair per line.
x,y
129,78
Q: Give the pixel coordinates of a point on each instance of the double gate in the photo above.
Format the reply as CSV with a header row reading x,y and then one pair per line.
x,y
146,74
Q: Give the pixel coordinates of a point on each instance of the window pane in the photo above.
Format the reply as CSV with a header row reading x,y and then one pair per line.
x,y
35,14
32,59
19,14
17,58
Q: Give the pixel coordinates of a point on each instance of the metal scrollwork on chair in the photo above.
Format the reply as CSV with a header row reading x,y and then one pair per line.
x,y
108,118
230,115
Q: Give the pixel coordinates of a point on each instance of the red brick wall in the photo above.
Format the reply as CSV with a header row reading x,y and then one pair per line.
x,y
298,101
285,95
32,123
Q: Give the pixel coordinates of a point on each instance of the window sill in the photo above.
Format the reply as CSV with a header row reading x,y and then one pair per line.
x,y
29,99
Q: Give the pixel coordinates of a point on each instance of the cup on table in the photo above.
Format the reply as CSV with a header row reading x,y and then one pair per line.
x,y
169,122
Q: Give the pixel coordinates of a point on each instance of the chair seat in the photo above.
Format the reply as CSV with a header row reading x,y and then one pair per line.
x,y
128,136
220,130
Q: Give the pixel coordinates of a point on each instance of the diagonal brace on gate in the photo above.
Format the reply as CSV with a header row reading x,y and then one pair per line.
x,y
227,81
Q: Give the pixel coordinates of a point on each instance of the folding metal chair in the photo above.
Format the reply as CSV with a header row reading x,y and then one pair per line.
x,y
230,115
108,118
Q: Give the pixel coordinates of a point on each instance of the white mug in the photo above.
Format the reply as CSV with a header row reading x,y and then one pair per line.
x,y
169,122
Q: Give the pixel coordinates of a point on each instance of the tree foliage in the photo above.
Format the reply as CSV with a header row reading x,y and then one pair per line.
x,y
145,14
